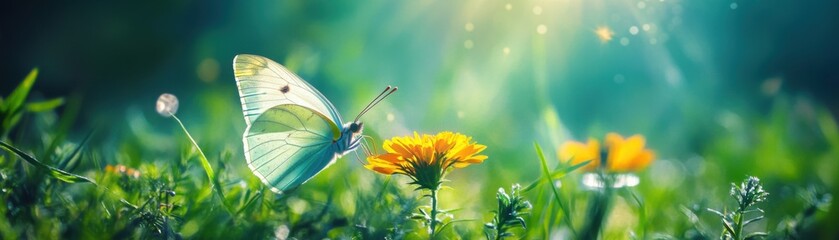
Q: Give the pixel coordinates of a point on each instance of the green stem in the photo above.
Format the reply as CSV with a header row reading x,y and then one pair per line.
x,y
498,229
433,212
739,228
598,209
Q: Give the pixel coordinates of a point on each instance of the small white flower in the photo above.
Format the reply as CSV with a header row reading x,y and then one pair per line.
x,y
167,105
281,233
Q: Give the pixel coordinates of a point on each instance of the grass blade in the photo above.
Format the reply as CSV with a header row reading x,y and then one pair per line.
x,y
547,174
71,160
205,163
45,105
54,172
555,175
18,96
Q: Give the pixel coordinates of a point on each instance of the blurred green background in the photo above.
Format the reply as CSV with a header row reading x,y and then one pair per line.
x,y
720,89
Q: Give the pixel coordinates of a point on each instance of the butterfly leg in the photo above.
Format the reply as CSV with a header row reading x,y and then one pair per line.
x,y
354,143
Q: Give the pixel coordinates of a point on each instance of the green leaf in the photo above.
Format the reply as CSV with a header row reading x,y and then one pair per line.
x,y
716,212
569,169
829,128
54,172
756,235
18,96
728,228
566,213
44,105
249,203
747,222
10,121
450,223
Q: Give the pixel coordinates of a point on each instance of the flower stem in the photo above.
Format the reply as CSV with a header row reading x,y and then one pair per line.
x,y
433,224
739,228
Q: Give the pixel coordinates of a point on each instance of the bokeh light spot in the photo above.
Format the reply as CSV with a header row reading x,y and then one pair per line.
x,y
468,44
641,5
633,30
625,41
390,117
541,29
646,27
619,78
733,6
469,27
537,10
207,70
506,51
508,7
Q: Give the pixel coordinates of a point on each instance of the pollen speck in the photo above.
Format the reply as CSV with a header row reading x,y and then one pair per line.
x,y
604,33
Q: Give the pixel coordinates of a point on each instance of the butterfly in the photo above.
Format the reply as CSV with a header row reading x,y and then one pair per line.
x,y
293,132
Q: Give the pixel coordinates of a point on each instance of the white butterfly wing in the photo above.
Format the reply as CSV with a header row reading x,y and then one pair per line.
x,y
264,84
289,144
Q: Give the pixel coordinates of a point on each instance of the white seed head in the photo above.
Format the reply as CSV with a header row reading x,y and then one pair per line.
x,y
167,105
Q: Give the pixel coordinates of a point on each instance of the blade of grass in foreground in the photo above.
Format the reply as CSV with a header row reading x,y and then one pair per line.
x,y
206,164
555,175
562,206
55,172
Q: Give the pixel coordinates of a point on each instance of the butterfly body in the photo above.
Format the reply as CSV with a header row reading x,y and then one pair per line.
x,y
293,132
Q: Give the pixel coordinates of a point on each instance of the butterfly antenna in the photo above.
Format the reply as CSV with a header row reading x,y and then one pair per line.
x,y
371,102
388,90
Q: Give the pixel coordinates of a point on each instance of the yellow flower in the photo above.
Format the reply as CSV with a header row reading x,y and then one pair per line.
x,y
622,154
425,158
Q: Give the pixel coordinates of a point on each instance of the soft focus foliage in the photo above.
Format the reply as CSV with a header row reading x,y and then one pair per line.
x,y
720,90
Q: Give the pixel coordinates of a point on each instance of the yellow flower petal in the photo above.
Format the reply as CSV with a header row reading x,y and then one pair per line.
x,y
624,154
577,152
403,155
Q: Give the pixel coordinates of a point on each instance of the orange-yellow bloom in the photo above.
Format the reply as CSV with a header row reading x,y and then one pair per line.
x,y
425,158
622,154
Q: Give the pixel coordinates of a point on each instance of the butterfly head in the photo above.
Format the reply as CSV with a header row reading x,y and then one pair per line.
x,y
352,131
356,127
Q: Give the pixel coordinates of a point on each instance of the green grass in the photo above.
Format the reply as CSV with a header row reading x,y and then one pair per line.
x,y
54,184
